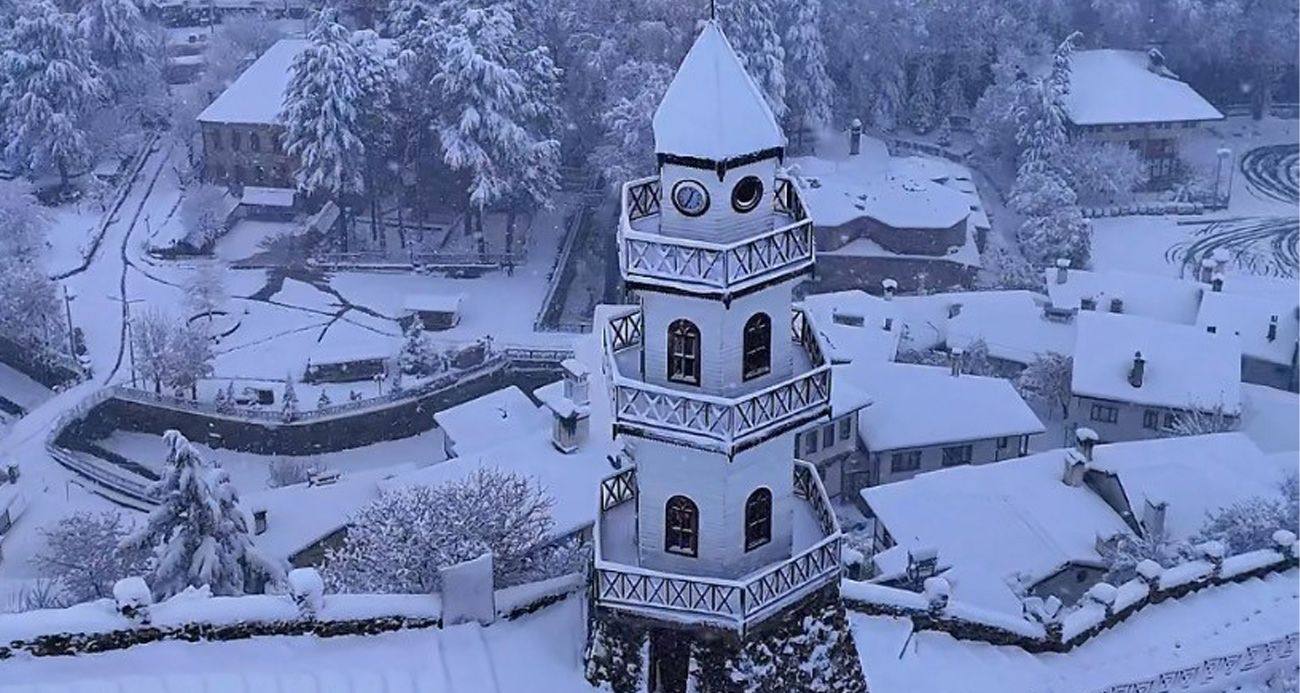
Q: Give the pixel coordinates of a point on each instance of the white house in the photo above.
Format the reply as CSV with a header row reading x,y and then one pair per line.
x,y
924,418
489,420
1134,377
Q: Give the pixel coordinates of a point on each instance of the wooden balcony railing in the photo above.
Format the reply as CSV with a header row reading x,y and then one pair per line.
x,y
654,257
736,604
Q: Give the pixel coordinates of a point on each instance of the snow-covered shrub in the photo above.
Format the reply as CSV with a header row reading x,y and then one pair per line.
x,y
1098,171
418,356
133,598
1010,271
198,533
83,555
1195,423
22,221
397,543
1249,525
307,590
1123,553
202,214
286,471
1053,227
41,593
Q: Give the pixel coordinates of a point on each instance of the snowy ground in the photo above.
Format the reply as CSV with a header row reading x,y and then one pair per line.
x,y
539,652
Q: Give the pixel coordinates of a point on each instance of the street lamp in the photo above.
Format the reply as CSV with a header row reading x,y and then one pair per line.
x,y
1223,156
126,321
72,342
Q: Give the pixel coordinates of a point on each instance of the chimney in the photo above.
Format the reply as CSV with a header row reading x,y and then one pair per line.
x,y
259,521
1138,371
1221,257
1207,269
577,388
571,411
954,362
1087,303
1062,270
1085,440
889,324
855,137
1272,329
1075,466
1153,518
1216,282
1116,304
890,288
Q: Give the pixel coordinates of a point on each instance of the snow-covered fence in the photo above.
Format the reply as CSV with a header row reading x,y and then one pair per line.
x,y
1150,209
1100,610
549,315
1221,670
194,616
899,144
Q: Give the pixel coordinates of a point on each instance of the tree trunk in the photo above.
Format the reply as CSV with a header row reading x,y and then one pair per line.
x,y
511,215
63,176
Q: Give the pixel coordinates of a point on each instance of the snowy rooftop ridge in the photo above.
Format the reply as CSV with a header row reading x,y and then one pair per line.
x,y
1113,87
712,108
257,96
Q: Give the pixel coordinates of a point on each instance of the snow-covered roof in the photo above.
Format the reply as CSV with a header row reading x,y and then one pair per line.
x,y
712,108
300,515
1195,475
571,480
1271,417
900,192
918,406
257,96
852,325
993,522
1148,295
434,303
484,422
1114,86
1011,323
1173,635
553,397
267,197
346,343
1185,367
1249,317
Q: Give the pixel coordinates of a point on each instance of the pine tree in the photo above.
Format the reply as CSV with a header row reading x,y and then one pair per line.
x,y
488,114
1054,227
322,112
198,532
418,355
810,93
289,399
920,102
118,36
751,28
323,402
50,85
627,148
1040,113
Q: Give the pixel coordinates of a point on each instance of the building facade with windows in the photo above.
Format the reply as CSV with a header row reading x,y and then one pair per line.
x,y
1132,98
242,132
712,526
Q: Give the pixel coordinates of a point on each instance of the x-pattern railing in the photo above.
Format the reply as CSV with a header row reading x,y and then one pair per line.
x,y
805,335
1222,668
734,602
651,255
618,489
625,331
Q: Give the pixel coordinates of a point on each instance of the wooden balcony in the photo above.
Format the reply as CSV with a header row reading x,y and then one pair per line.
x,y
725,424
650,257
619,583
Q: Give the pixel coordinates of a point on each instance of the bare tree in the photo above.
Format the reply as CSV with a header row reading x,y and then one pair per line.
x,y
1048,381
82,555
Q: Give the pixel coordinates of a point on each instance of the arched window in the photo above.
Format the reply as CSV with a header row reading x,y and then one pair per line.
x,y
681,526
758,519
758,346
684,352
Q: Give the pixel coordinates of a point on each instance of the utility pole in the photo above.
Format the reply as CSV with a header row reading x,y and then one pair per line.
x,y
130,340
72,342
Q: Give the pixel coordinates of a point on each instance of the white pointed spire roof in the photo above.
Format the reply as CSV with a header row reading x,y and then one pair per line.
x,y
713,109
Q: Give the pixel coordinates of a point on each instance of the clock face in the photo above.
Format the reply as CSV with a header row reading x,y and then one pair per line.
x,y
690,198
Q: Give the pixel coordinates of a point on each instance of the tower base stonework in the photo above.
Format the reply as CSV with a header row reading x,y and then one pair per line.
x,y
807,647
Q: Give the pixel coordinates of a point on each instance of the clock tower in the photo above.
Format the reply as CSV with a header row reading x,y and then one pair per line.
x,y
712,530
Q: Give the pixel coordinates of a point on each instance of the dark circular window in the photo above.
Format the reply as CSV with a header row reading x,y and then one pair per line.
x,y
747,194
690,198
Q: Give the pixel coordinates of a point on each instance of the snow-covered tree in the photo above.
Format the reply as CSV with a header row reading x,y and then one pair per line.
x,y
22,222
324,401
489,115
29,305
1107,171
1122,553
418,355
1200,422
994,116
198,533
50,84
202,212
1249,525
1040,114
170,352
398,542
809,91
375,79
118,36
1047,380
921,107
627,148
225,399
322,112
751,26
289,399
83,555
189,356
1053,227
1010,270
205,292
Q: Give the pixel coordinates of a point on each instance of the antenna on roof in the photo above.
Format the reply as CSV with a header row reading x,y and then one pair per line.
x,y
713,9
